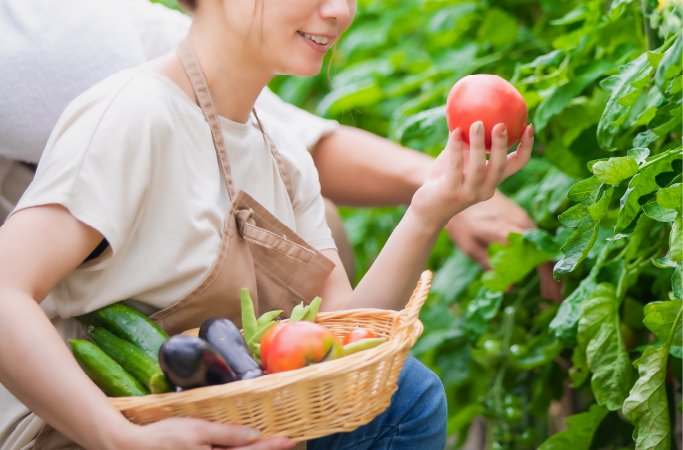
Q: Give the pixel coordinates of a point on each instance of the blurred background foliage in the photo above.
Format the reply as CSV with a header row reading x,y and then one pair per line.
x,y
602,80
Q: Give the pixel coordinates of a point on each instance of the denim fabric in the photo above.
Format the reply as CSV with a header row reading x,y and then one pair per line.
x,y
415,420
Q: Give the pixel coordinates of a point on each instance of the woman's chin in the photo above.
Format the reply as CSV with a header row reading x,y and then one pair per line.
x,y
302,67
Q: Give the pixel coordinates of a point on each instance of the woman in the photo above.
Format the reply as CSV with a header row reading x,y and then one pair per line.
x,y
161,186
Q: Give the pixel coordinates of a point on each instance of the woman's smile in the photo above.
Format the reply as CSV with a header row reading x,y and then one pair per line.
x,y
319,42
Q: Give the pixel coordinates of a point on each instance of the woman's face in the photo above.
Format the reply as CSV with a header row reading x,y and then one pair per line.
x,y
289,36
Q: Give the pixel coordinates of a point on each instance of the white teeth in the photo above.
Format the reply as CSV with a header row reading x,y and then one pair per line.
x,y
317,39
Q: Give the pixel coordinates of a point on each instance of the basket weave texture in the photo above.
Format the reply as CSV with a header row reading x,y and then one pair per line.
x,y
322,399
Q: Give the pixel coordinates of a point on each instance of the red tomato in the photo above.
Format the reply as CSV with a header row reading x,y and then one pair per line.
x,y
357,335
267,338
300,344
488,98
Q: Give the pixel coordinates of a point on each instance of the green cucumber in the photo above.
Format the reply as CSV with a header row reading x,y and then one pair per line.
x,y
104,371
129,324
132,359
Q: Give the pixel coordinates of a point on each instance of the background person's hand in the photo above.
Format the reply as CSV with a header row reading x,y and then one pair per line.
x,y
484,223
196,434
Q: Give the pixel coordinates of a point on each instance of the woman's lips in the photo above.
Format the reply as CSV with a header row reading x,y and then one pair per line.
x,y
322,48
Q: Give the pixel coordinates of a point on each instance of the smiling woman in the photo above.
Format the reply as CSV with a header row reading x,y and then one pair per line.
x,y
169,168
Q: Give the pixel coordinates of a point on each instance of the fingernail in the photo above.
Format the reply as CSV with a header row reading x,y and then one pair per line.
x,y
531,131
477,127
457,134
249,434
504,131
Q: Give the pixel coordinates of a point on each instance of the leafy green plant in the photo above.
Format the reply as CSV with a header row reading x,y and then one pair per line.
x,y
602,80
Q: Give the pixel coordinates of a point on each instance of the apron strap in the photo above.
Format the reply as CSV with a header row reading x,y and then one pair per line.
x,y
278,158
201,90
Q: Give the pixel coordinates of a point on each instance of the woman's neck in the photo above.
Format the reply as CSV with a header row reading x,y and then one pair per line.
x,y
234,77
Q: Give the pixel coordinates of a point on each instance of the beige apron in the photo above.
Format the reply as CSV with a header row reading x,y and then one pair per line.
x,y
256,252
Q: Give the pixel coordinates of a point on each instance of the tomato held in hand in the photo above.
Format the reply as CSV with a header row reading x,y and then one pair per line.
x,y
300,344
488,98
357,335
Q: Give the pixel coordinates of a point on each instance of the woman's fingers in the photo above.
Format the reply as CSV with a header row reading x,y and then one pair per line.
x,y
476,167
498,159
454,158
222,435
520,157
270,444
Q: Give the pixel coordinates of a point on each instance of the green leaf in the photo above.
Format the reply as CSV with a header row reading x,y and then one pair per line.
x,y
577,247
585,189
639,154
615,170
498,28
618,7
454,276
512,263
574,215
563,94
566,321
615,113
353,95
670,198
642,184
646,406
579,435
660,318
579,371
654,58
480,311
671,58
599,335
575,15
654,211
599,208
676,240
540,351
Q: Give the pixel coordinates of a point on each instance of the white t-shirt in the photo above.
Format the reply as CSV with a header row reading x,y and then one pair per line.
x,y
133,158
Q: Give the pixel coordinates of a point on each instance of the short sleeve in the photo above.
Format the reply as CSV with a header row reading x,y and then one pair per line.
x,y
98,160
308,127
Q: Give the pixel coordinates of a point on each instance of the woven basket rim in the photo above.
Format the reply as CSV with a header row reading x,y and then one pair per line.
x,y
332,368
407,329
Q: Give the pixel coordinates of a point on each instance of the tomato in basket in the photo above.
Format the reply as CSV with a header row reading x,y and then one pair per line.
x,y
357,335
300,344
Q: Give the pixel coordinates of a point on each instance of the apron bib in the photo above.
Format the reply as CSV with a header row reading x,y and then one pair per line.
x,y
257,252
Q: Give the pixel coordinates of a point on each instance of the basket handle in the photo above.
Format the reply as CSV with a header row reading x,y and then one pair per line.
x,y
412,309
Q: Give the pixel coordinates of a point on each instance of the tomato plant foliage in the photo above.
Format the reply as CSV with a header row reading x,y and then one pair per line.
x,y
603,84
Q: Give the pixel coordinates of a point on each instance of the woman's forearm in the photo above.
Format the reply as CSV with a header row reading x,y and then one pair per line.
x,y
37,368
358,168
393,275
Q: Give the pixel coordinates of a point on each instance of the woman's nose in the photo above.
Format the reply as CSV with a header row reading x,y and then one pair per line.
x,y
339,10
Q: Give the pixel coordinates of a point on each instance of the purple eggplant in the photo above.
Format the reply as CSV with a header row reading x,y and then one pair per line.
x,y
224,336
190,362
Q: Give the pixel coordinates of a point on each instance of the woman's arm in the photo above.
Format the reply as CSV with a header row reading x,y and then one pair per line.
x,y
38,247
358,168
459,178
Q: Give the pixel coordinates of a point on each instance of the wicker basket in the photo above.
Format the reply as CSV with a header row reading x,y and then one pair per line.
x,y
308,403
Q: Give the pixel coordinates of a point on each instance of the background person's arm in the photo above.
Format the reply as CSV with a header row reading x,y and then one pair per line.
x,y
358,168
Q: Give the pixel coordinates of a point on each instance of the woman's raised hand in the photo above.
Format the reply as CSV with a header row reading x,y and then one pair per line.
x,y
196,434
462,177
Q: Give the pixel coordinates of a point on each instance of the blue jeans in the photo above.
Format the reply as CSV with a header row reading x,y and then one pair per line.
x,y
415,420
